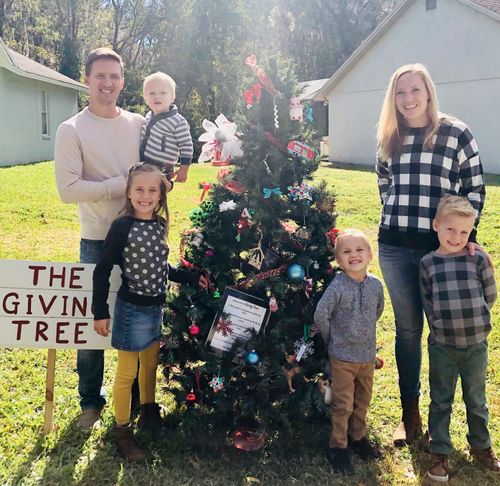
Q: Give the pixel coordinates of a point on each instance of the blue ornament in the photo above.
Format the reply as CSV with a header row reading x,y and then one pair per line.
x,y
295,272
252,358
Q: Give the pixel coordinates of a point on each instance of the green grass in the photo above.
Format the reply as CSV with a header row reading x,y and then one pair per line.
x,y
35,225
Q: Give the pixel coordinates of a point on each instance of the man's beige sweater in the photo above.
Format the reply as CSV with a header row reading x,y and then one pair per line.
x,y
92,158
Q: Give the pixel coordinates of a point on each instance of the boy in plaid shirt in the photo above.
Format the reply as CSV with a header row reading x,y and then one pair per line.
x,y
458,291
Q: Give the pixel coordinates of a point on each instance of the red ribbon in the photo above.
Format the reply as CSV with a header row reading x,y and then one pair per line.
x,y
332,235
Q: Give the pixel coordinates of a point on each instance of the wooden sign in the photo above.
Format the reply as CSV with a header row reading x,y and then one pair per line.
x,y
47,305
241,314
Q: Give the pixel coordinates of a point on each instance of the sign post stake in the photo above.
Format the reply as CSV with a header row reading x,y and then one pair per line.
x,y
48,425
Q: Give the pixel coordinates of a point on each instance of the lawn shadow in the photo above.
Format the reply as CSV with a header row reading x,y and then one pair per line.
x,y
30,457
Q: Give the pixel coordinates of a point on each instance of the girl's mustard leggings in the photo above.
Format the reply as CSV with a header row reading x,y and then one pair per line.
x,y
126,372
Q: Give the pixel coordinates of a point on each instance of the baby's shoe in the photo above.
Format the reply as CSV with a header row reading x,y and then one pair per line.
x,y
365,449
340,461
439,470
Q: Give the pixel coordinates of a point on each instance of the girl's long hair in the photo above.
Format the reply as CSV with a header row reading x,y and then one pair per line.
x,y
161,211
391,127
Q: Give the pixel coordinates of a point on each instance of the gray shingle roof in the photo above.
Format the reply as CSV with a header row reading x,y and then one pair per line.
x,y
493,5
29,66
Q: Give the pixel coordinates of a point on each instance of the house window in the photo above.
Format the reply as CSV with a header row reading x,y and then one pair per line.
x,y
430,4
44,112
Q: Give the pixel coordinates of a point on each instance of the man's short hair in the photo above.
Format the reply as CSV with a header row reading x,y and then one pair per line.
x,y
458,205
162,77
102,53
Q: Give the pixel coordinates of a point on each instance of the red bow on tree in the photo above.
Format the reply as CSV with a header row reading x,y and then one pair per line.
x,y
253,94
332,235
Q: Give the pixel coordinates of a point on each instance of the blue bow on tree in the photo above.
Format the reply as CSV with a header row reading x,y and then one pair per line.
x,y
269,192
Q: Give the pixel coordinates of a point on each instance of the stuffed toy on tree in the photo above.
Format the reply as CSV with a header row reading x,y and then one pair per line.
x,y
262,234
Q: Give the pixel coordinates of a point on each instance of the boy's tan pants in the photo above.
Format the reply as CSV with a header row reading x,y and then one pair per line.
x,y
352,392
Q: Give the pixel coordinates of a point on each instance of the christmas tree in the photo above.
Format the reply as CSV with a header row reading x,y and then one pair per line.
x,y
246,349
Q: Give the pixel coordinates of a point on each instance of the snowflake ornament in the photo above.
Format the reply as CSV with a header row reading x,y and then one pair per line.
x,y
219,136
303,349
224,327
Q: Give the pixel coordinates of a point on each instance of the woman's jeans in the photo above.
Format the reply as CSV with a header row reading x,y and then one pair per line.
x,y
90,362
400,269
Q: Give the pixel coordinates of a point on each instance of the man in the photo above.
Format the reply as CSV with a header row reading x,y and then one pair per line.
x,y
93,153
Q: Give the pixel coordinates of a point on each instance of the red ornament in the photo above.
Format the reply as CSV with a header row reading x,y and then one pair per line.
x,y
194,330
191,397
248,439
209,253
332,235
379,362
243,224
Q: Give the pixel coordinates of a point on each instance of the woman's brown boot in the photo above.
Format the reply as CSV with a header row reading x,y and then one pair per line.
x,y
410,428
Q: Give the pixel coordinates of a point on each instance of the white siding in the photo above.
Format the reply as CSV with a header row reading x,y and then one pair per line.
x,y
458,44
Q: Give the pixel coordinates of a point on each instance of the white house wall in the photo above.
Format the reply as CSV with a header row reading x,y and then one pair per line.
x,y
21,138
460,47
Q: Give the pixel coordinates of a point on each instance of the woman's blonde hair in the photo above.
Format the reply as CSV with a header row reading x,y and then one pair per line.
x,y
161,210
391,127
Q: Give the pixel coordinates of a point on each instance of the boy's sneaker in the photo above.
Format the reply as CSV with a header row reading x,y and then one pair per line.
x,y
365,449
89,419
439,470
340,461
487,458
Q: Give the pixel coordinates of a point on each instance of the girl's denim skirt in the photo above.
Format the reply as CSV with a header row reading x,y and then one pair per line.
x,y
135,327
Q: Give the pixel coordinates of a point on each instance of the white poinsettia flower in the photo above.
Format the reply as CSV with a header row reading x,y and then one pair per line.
x,y
219,136
227,206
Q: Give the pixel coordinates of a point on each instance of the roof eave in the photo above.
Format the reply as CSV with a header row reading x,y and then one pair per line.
x,y
480,8
44,79
322,94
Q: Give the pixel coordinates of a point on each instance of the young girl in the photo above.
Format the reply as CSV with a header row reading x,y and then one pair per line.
x,y
136,242
422,155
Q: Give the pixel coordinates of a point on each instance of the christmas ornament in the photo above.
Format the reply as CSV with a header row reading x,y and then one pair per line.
x,y
191,396
253,94
301,150
221,140
273,304
206,187
303,349
269,192
290,369
217,383
208,206
248,439
216,295
247,214
227,206
379,362
264,161
261,75
256,255
252,358
197,216
309,287
325,387
224,327
295,272
302,233
194,330
309,114
295,109
316,265
209,253
332,235
197,239
275,112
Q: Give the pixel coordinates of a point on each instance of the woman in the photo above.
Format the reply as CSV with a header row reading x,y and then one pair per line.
x,y
422,155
